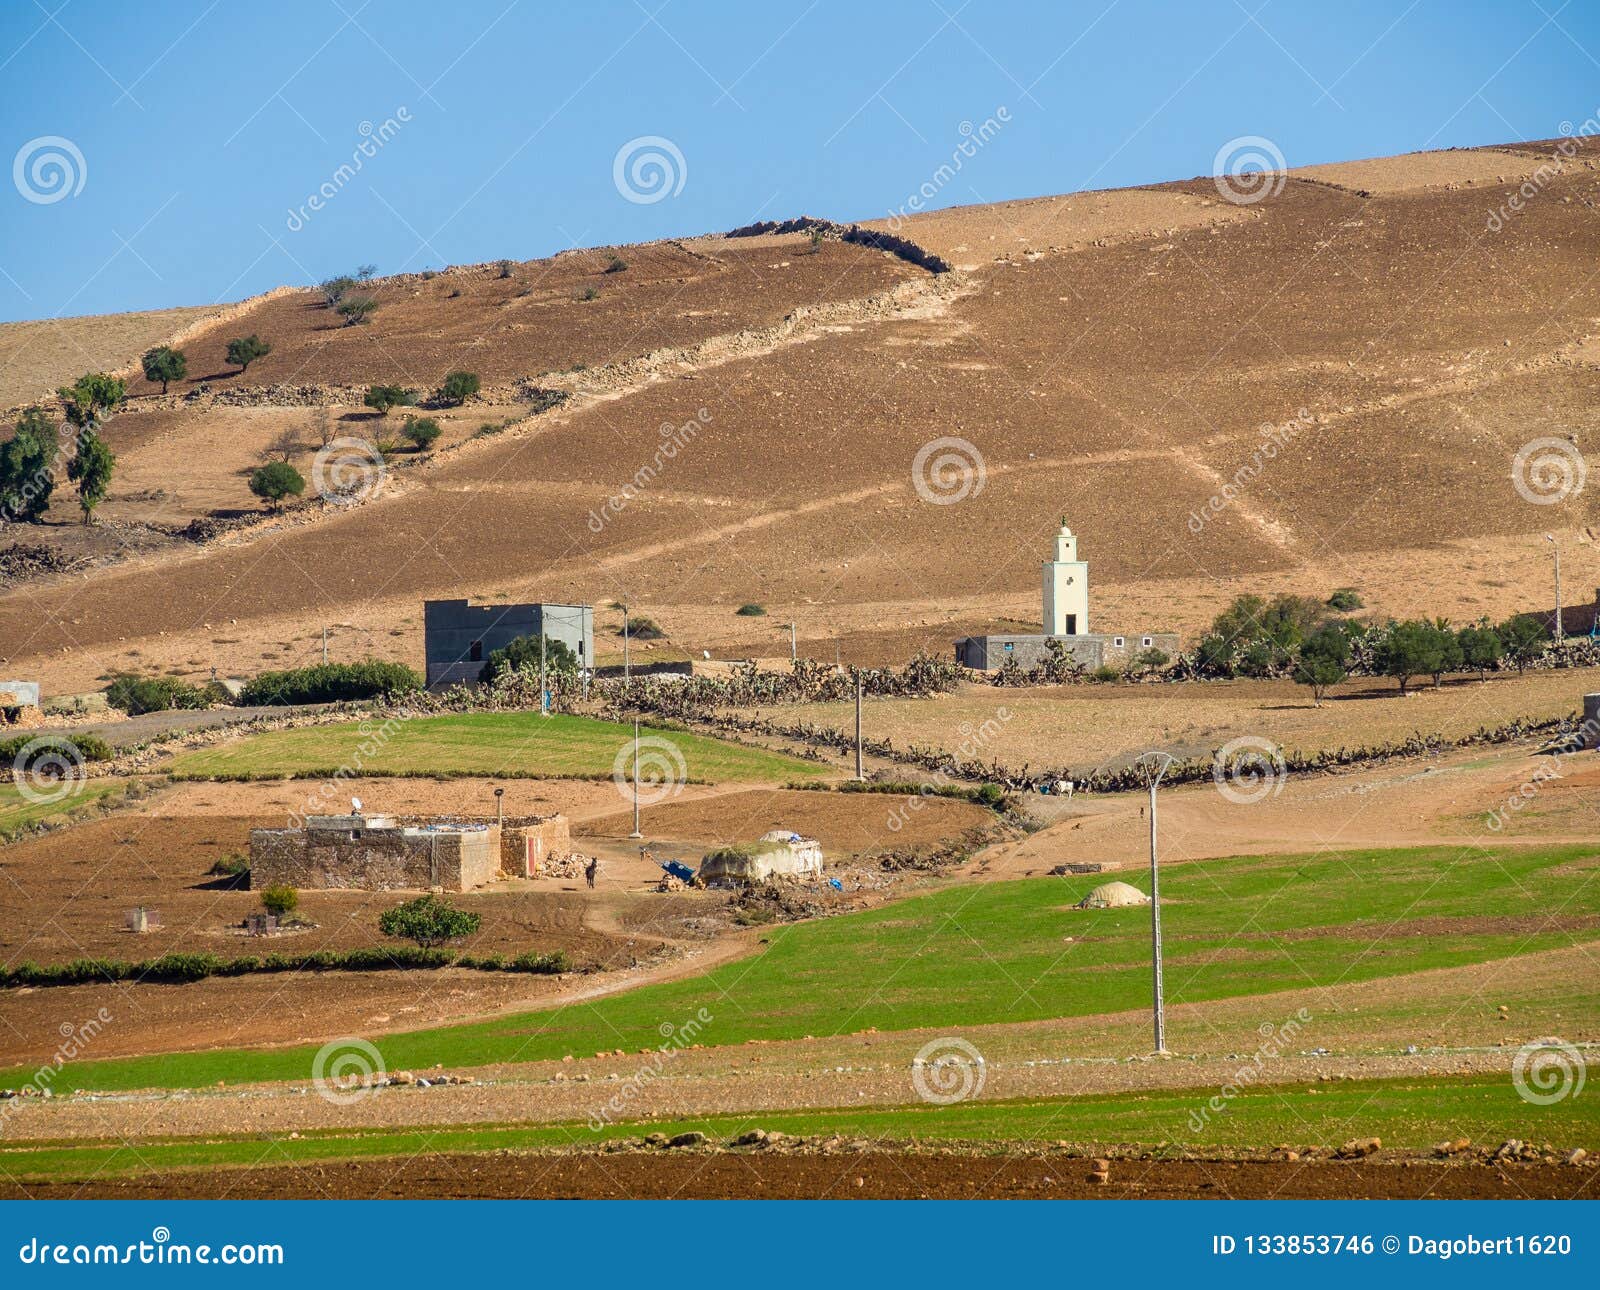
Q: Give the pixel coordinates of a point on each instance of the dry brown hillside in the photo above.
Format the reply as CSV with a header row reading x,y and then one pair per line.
x,y
1111,357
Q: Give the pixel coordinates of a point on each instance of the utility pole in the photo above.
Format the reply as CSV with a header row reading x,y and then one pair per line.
x,y
792,654
859,774
324,646
636,833
500,806
626,673
1154,765
544,694
1551,539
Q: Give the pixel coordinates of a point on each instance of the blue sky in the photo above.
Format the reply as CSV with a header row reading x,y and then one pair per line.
x,y
196,131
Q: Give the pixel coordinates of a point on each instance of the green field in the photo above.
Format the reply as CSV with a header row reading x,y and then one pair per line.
x,y
17,812
491,743
1408,1114
1011,952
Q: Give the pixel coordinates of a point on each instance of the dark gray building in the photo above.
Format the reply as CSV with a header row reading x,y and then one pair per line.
x,y
458,637
989,653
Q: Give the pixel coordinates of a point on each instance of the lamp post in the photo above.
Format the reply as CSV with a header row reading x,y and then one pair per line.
x,y
1551,539
500,807
1154,765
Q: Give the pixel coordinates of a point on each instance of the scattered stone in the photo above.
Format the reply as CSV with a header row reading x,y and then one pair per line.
x,y
693,1138
751,1138
655,1139
1577,1156
1357,1148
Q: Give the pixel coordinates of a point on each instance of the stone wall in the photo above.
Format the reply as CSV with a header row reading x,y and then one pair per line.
x,y
527,844
375,859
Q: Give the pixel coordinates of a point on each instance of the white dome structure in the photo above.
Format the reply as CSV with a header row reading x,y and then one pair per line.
x,y
1113,895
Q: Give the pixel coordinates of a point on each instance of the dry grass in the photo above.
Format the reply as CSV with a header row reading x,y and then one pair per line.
x,y
35,357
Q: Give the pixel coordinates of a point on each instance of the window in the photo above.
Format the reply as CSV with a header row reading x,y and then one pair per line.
x,y
1009,647
1147,642
475,654
1117,641
1072,624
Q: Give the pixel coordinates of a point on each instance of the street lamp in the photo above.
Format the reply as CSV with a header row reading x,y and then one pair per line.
x,y
1154,765
500,806
1551,539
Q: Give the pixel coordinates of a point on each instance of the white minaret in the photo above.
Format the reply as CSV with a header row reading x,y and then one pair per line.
x,y
1066,589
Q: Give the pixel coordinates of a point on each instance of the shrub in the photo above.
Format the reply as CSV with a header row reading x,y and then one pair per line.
x,y
1324,660
991,795
139,694
522,654
244,350
164,364
1105,672
1345,600
382,398
1151,659
280,899
751,611
234,867
428,921
26,479
1524,638
617,265
275,481
643,629
458,387
551,964
357,310
74,748
505,268
590,292
422,432
330,683
333,289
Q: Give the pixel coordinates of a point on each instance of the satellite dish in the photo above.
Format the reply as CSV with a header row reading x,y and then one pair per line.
x,y
705,653
355,806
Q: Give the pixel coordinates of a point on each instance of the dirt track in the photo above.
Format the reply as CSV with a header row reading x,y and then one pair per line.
x,y
868,1176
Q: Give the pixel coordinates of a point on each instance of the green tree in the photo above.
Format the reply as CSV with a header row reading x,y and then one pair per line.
x,y
89,399
522,654
164,364
422,432
458,387
1481,647
27,474
333,289
90,469
244,350
428,921
1523,637
1324,660
356,310
275,481
1258,637
383,398
1417,649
